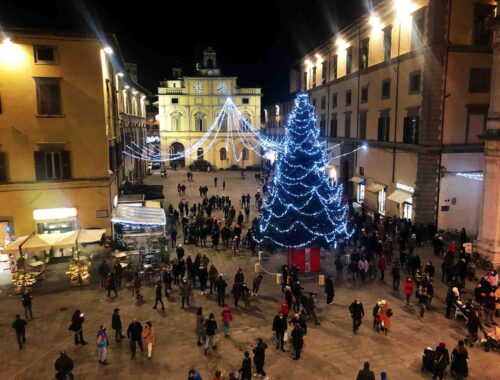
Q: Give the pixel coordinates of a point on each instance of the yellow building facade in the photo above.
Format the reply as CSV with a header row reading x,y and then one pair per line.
x,y
67,105
189,106
411,82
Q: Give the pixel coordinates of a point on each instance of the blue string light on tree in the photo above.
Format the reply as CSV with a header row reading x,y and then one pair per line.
x,y
303,209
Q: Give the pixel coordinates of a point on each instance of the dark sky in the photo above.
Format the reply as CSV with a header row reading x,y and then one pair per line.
x,y
255,40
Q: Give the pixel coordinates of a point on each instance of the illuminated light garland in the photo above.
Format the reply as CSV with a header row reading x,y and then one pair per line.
x,y
474,176
304,208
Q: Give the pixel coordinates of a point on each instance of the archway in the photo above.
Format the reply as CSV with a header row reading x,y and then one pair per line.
x,y
176,148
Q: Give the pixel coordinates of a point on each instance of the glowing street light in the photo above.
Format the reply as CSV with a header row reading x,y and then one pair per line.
x,y
121,75
341,44
318,57
375,23
7,41
108,50
404,8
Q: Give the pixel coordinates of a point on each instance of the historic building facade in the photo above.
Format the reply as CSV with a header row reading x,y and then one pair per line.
x,y
188,108
410,81
67,106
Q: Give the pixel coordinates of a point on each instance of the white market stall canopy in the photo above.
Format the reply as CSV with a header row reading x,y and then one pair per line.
x,y
146,216
90,236
42,242
13,247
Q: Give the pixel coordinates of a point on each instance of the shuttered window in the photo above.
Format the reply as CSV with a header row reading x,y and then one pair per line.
x,y
48,96
3,167
52,165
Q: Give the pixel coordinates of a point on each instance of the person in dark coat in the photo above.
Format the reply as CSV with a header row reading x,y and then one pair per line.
x,y
365,373
116,324
279,328
357,313
19,325
259,357
158,296
297,318
134,334
220,286
111,284
329,290
441,361
459,357
104,272
77,327
26,301
297,340
64,367
246,367
473,325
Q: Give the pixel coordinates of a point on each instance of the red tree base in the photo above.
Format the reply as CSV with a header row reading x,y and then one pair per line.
x,y
306,259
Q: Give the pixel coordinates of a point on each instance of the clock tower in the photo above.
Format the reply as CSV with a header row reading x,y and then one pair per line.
x,y
189,106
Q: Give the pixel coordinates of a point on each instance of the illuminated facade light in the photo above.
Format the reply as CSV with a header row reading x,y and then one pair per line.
x,y
7,41
121,75
108,50
375,22
318,57
308,62
134,92
341,44
54,213
404,9
126,87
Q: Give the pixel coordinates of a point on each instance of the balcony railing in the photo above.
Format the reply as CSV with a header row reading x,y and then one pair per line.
x,y
172,91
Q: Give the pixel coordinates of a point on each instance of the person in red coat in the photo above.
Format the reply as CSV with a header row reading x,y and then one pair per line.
x,y
284,308
408,289
382,266
227,318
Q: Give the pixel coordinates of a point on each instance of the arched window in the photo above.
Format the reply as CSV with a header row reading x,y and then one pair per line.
x,y
244,154
199,122
199,153
245,122
175,121
210,63
223,154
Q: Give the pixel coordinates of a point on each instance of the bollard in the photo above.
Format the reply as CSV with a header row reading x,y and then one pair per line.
x,y
257,267
321,280
278,278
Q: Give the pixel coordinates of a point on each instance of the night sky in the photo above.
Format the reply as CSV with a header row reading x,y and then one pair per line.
x,y
255,40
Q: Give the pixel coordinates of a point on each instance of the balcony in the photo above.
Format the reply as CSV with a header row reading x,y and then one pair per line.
x,y
247,91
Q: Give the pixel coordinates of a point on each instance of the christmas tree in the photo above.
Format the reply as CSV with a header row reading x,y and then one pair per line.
x,y
304,208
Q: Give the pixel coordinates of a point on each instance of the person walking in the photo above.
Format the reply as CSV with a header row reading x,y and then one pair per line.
x,y
173,236
279,328
236,292
102,344
76,326
396,276
297,341
366,373
459,357
116,324
149,337
134,334
213,274
246,367
441,361
382,266
408,289
185,290
158,296
19,325
422,296
259,358
473,324
227,318
215,181
26,301
220,286
194,375
137,284
111,284
329,290
256,284
64,367
210,332
200,329
357,314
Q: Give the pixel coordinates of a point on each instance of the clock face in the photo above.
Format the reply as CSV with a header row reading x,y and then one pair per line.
x,y
198,87
221,88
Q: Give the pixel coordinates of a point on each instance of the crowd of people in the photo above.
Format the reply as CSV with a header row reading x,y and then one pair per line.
x,y
218,221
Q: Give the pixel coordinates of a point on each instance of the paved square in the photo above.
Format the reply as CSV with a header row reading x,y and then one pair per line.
x,y
331,351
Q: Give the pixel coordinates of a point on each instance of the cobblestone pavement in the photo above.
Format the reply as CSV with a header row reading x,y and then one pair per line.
x,y
331,350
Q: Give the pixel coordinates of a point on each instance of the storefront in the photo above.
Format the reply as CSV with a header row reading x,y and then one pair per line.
x,y
380,191
55,220
359,188
403,196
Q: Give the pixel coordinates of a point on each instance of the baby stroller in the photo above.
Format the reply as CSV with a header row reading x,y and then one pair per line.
x,y
428,359
491,339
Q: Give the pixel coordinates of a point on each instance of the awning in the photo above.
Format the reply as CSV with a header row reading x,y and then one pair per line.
x,y
66,240
90,236
399,196
13,247
139,215
41,242
375,187
357,179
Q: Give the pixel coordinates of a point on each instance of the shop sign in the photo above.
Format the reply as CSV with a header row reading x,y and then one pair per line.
x,y
54,213
404,187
